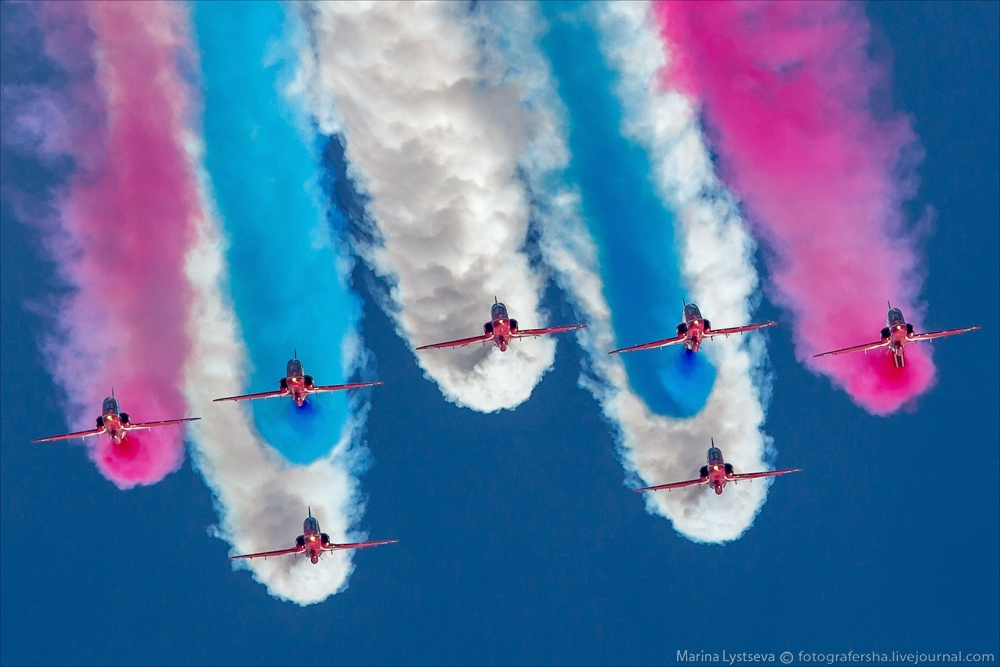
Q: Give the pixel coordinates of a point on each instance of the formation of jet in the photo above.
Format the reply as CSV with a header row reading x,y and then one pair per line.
x,y
313,543
692,331
895,336
717,474
501,329
297,385
115,424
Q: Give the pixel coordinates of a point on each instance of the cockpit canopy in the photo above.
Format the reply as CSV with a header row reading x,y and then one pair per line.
x,y
110,406
294,368
894,316
691,312
498,311
714,454
310,525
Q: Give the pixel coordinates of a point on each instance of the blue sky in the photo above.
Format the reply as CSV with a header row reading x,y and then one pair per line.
x,y
519,542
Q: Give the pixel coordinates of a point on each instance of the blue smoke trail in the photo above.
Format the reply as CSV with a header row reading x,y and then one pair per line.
x,y
633,230
283,274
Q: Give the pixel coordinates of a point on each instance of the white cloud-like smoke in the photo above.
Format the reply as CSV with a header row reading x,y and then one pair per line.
x,y
715,250
436,152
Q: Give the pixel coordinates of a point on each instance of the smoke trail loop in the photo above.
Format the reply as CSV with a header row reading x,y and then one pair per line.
x,y
787,91
714,254
434,149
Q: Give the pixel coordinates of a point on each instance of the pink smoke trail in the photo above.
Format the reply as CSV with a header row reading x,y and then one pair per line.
x,y
126,223
787,89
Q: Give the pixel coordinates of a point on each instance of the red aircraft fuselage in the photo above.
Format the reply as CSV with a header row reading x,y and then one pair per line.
x,y
500,326
312,543
112,420
501,329
693,328
895,336
898,333
312,539
717,472
297,382
693,331
296,385
115,424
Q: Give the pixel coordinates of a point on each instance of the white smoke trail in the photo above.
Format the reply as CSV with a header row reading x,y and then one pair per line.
x,y
715,250
436,152
261,499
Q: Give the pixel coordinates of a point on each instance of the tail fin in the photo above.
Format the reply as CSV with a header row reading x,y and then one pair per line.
x,y
713,441
309,507
495,301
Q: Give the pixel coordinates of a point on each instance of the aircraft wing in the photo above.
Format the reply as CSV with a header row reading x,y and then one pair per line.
x,y
70,436
267,554
651,346
770,473
530,333
250,397
359,545
856,348
674,485
942,334
457,343
736,330
339,387
141,425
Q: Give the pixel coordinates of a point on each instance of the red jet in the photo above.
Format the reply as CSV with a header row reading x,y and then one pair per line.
x,y
692,331
297,385
313,543
115,424
896,334
717,474
501,329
